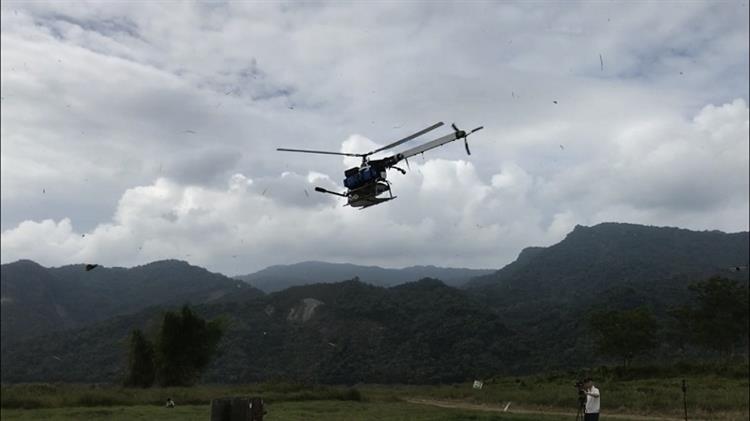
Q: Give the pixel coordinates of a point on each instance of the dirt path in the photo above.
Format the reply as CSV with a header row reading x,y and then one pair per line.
x,y
516,410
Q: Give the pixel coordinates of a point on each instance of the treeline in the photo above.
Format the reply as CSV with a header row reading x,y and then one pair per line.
x,y
715,320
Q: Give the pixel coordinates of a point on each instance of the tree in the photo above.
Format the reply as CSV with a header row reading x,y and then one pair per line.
x,y
624,333
141,371
718,317
185,346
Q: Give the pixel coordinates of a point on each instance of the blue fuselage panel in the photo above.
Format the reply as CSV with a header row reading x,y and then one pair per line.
x,y
361,178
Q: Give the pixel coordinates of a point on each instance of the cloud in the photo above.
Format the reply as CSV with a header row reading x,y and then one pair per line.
x,y
152,129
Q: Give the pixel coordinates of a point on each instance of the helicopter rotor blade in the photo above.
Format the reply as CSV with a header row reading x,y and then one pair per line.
x,y
407,138
320,152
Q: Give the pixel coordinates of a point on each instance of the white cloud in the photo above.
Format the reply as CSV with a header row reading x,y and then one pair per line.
x,y
152,129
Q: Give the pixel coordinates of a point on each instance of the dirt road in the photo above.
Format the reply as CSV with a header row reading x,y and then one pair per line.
x,y
516,410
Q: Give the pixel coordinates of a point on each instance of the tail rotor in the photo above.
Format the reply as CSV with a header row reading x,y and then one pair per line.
x,y
462,134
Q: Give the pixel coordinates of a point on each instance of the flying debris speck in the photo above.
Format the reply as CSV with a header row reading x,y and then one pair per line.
x,y
91,267
562,147
44,191
601,63
555,102
306,193
264,191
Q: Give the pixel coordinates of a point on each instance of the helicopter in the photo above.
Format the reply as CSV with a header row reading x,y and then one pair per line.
x,y
368,181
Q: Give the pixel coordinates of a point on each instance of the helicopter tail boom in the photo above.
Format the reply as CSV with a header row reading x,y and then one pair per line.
x,y
457,134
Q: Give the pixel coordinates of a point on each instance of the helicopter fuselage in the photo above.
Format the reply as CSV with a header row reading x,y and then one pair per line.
x,y
365,184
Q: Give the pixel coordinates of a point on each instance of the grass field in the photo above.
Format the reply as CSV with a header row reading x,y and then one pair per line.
x,y
292,411
709,397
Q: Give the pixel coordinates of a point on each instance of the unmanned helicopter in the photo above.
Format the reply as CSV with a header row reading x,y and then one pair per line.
x,y
368,181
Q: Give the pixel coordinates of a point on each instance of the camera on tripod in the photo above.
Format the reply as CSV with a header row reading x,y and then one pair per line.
x,y
580,385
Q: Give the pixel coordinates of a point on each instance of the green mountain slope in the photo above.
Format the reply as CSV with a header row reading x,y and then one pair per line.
x,y
348,332
548,292
591,260
38,300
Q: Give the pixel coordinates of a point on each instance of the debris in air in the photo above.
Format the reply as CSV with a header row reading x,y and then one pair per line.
x,y
91,267
190,131
554,102
562,147
601,62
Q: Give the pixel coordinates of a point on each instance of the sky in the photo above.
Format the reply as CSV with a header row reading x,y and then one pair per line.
x,y
141,131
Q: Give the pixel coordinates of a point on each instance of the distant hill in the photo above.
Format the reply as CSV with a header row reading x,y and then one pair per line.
x,y
343,333
548,292
592,259
279,277
37,300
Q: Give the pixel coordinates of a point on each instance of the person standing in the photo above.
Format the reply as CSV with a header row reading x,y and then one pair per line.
x,y
591,412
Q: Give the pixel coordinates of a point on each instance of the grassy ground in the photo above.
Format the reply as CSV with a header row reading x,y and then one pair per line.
x,y
708,396
290,411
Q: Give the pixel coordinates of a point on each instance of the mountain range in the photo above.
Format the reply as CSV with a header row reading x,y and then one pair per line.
x,y
279,277
528,316
38,300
